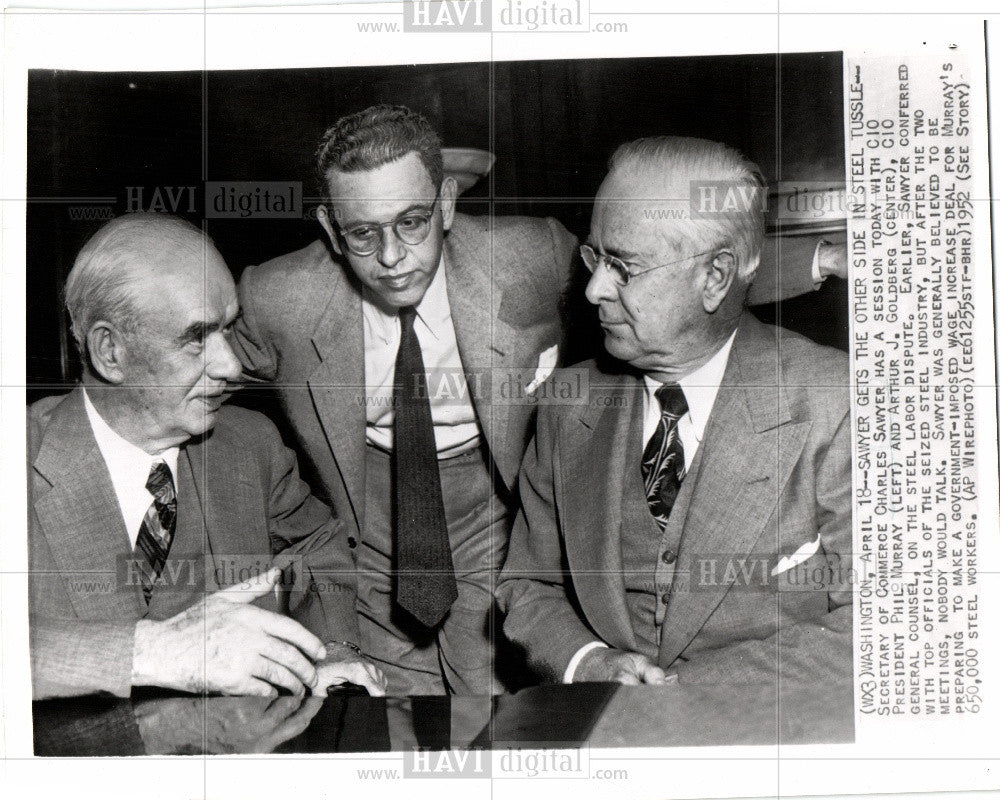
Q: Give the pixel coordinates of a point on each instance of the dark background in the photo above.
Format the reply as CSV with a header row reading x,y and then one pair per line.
x,y
551,124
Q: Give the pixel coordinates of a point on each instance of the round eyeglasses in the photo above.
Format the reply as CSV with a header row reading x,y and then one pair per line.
x,y
411,228
619,269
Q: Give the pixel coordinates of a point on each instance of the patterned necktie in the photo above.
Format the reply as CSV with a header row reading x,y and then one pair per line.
x,y
425,576
663,458
157,529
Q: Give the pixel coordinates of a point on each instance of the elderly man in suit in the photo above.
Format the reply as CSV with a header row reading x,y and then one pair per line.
x,y
453,320
692,516
160,519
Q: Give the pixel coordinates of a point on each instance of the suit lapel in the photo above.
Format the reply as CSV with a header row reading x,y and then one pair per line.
x,y
481,342
337,386
219,501
748,451
590,500
494,353
80,516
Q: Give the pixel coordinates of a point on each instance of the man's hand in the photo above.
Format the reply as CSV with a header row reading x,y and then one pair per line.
x,y
226,645
833,260
621,666
222,724
343,665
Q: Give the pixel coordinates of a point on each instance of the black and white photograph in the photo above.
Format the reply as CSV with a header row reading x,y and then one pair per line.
x,y
490,553
501,417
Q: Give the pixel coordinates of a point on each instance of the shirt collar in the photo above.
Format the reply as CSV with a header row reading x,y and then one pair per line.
x,y
700,387
126,462
433,309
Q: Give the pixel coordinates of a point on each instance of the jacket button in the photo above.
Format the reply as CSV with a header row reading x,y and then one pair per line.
x,y
669,557
352,542
665,598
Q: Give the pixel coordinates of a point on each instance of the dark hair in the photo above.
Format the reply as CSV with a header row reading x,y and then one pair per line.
x,y
378,135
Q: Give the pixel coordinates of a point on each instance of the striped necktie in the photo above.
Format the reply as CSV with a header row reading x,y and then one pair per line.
x,y
157,529
663,458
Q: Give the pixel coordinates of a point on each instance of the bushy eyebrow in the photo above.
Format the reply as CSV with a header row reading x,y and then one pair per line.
x,y
199,331
624,255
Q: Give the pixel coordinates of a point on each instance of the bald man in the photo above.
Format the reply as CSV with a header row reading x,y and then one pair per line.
x,y
161,523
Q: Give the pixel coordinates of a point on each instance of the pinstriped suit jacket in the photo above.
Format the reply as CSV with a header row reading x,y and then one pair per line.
x,y
771,475
238,494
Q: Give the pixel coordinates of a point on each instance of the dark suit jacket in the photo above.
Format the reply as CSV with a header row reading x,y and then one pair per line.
x,y
771,474
301,327
239,502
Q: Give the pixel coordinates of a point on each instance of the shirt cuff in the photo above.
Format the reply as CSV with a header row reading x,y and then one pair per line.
x,y
817,276
574,662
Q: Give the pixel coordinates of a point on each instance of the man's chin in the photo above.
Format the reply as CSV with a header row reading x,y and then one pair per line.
x,y
410,293
619,348
203,420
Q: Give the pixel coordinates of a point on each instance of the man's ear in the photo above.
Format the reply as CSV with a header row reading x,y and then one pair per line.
x,y
323,215
719,277
106,351
449,193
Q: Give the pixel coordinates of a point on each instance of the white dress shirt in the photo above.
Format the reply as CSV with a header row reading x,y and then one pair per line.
x,y
700,389
817,276
129,467
456,428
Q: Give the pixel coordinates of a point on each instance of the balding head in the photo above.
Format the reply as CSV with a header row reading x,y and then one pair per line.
x,y
152,304
670,277
670,175
106,282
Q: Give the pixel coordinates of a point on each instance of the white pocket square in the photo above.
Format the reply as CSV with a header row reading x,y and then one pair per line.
x,y
546,363
807,551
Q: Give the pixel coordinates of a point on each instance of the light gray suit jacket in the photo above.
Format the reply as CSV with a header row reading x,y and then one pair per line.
x,y
238,494
771,475
301,327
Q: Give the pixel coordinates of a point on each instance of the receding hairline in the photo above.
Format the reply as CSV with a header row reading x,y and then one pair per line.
x,y
147,243
631,183
140,234
664,172
111,274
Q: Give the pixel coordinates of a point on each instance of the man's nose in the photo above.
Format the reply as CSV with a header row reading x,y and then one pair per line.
x,y
601,286
391,251
221,361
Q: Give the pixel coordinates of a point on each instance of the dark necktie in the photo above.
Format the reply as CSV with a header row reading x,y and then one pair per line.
x,y
157,529
425,577
663,458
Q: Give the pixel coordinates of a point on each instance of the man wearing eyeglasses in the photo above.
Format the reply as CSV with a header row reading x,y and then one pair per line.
x,y
424,322
384,356
689,519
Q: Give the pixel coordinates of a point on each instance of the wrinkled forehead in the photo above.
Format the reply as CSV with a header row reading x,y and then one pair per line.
x,y
633,189
187,283
193,260
644,212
